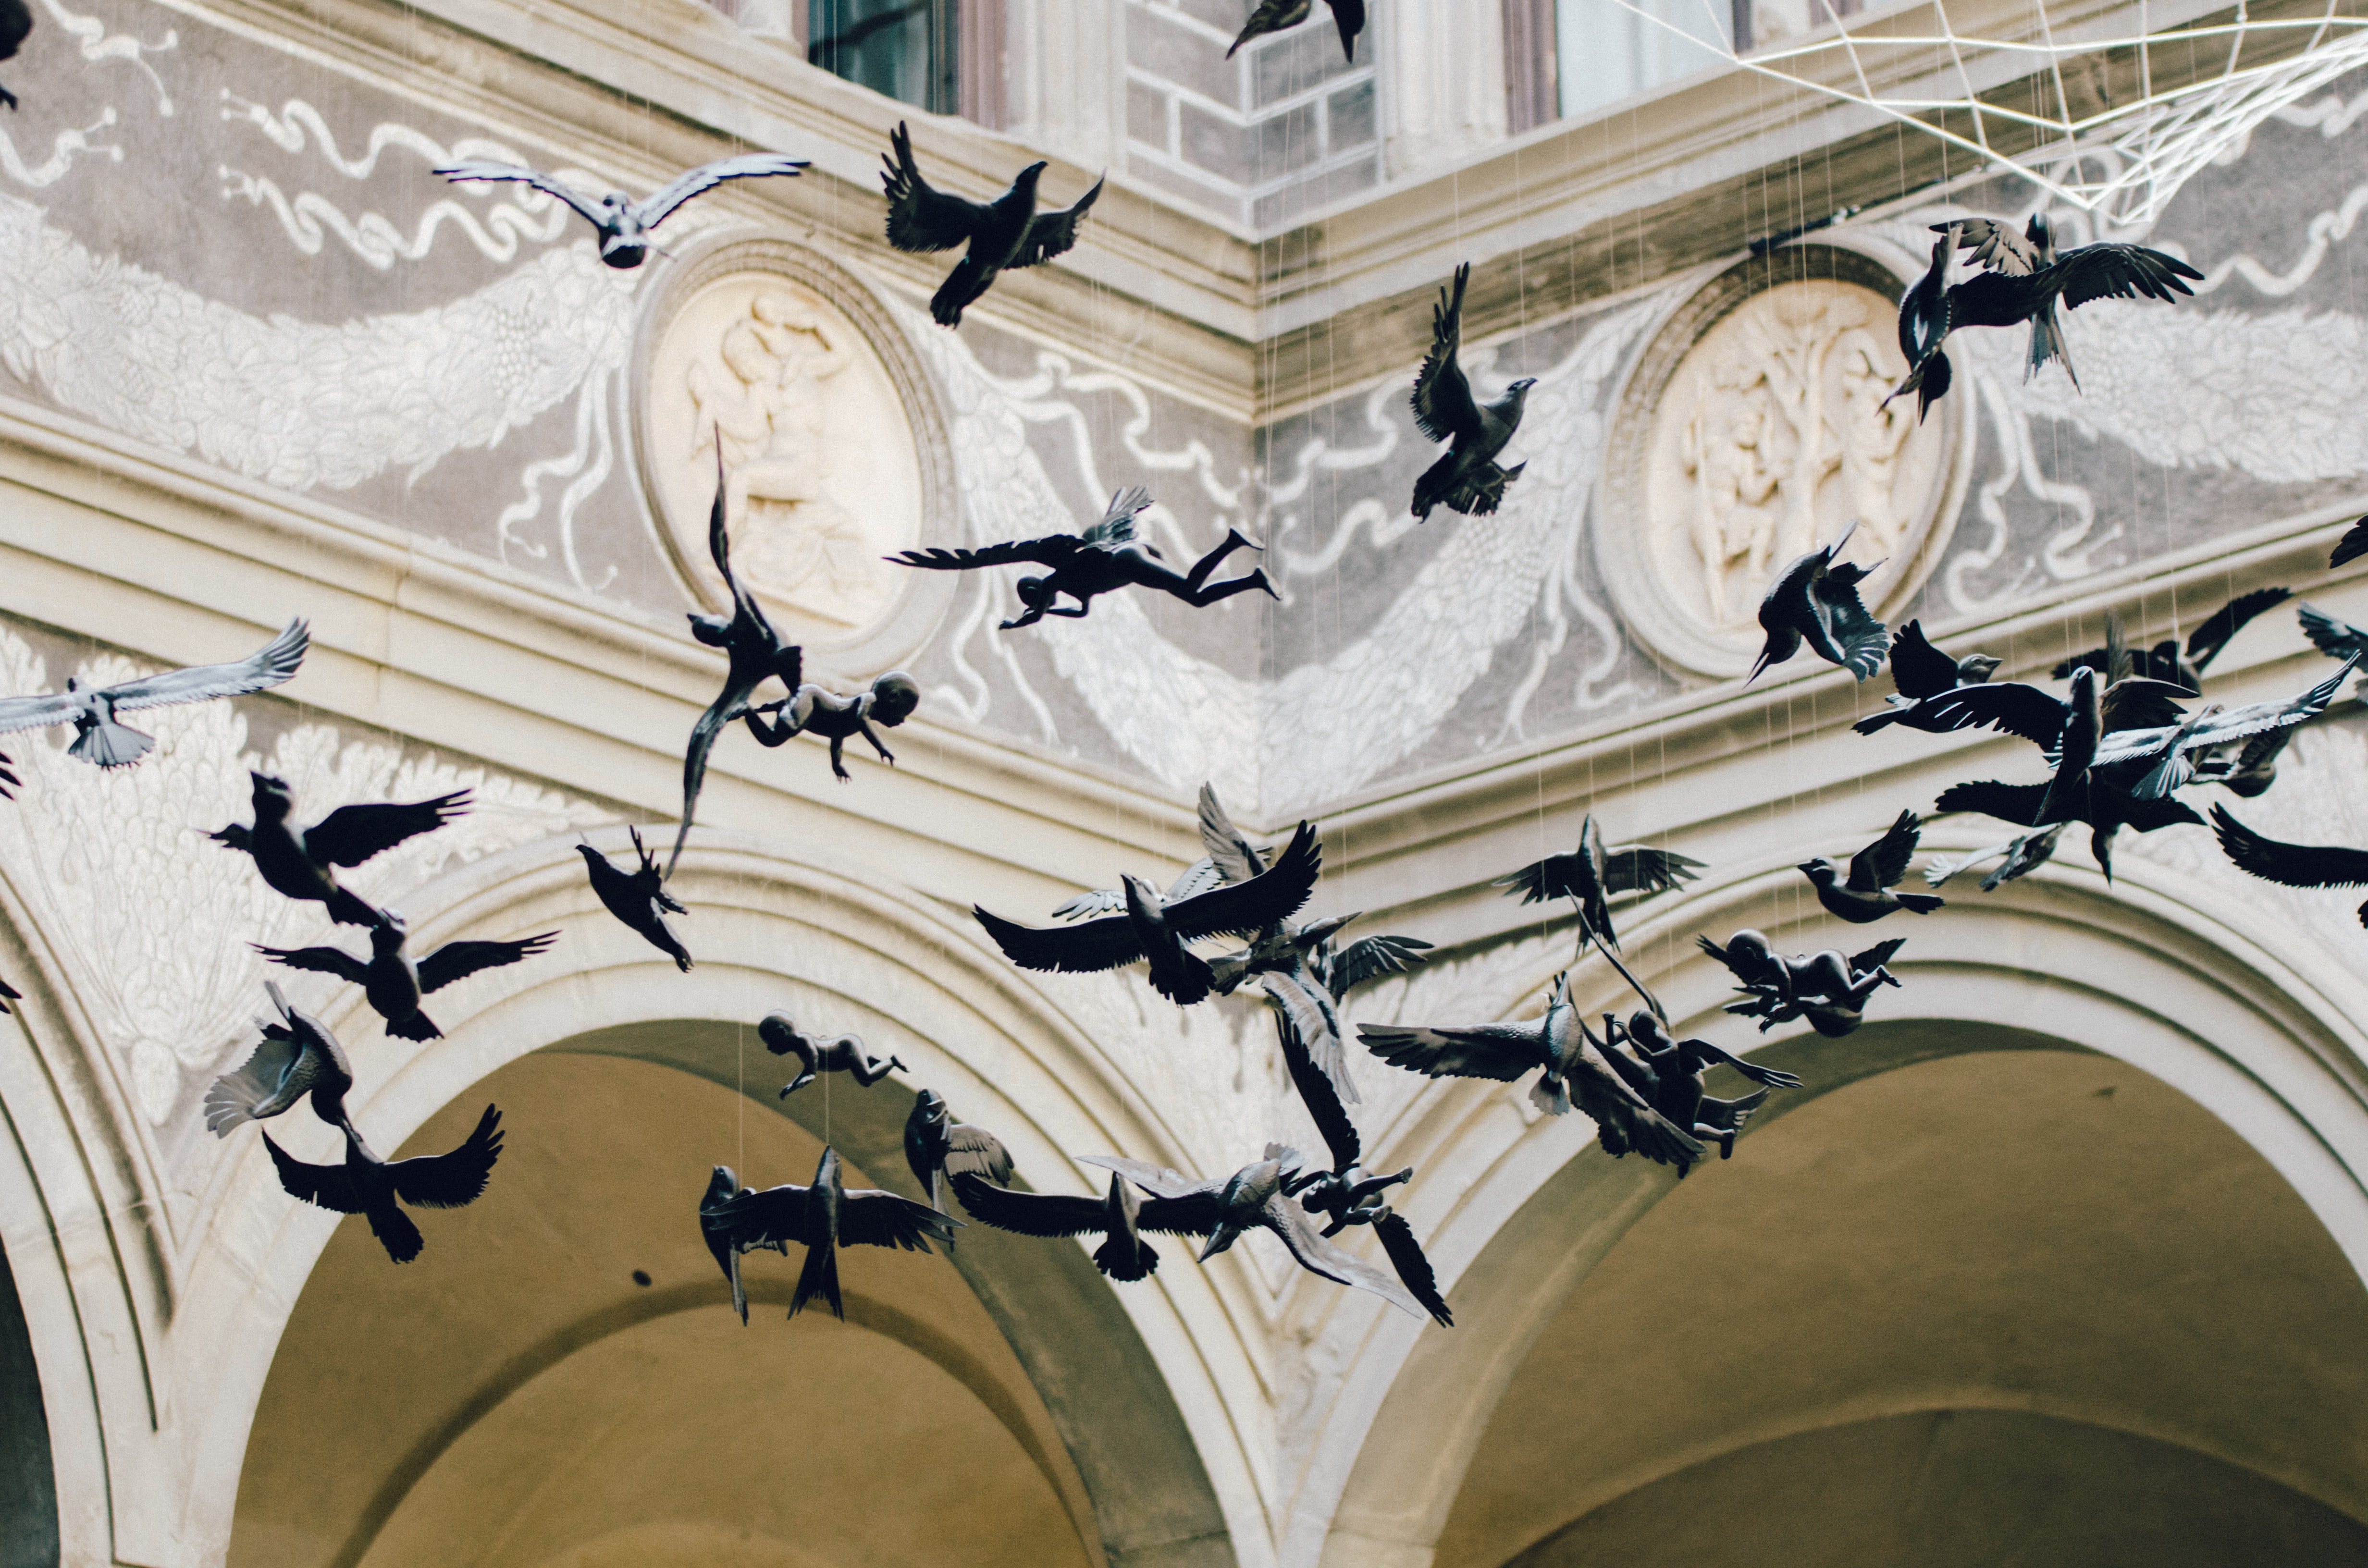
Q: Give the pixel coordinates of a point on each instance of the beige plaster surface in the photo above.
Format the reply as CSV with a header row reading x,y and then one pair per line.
x,y
2052,1234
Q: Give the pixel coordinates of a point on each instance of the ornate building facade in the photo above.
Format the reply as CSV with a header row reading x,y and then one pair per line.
x,y
2058,1260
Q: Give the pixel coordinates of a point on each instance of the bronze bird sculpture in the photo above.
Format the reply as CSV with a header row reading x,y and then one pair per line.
x,y
1866,894
1591,875
1003,234
102,742
1274,16
638,898
823,1218
2164,662
393,983
304,865
816,1055
716,1233
1156,929
1920,672
623,223
2291,865
297,1059
1105,557
1120,1217
937,1147
2107,808
1815,601
377,1188
1467,478
2168,751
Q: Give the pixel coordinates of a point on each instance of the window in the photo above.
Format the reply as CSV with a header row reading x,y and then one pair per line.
x,y
1605,51
945,56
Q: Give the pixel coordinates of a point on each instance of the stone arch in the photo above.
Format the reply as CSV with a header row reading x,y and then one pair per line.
x,y
2151,971
766,931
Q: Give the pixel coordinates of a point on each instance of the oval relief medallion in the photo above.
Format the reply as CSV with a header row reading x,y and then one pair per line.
x,y
1753,430
828,443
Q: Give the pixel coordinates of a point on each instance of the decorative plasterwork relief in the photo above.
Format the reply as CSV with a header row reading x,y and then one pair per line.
x,y
1753,429
831,450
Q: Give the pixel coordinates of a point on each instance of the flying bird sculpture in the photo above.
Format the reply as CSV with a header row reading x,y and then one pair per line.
x,y
2164,662
2168,751
1467,478
377,1188
1919,673
1121,1217
2291,865
626,225
722,1183
2350,547
1106,557
392,983
1156,929
1815,601
304,865
823,1218
817,1055
102,742
1275,16
2018,856
638,898
297,1059
1347,1194
1874,871
2106,808
1591,876
936,1148
1003,234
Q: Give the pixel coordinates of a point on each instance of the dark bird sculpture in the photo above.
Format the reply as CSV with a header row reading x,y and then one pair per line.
x,y
2252,770
937,1146
1574,1067
1252,1197
1997,247
1918,672
2021,853
1815,601
753,653
823,1218
2107,809
1348,1194
1931,312
1826,988
638,898
16,26
1005,233
2291,865
1105,557
839,1053
893,698
377,1188
9,994
302,866
1590,875
1680,1069
624,223
1274,16
298,1057
712,1229
1874,871
2350,547
2168,751
2336,638
1156,929
2164,662
102,742
1466,479
1122,1216
392,983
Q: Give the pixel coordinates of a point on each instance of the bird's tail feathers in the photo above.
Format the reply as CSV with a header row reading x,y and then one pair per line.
x,y
419,1026
1918,902
2047,342
739,1289
1185,982
1550,1094
1126,1259
111,744
819,1278
395,1231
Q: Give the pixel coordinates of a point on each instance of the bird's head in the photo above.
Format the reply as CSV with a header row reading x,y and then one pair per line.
x,y
827,1169
720,1185
1821,871
895,696
390,929
1521,389
73,684
1027,177
1142,898
1975,668
272,796
715,630
2040,233
929,1106
779,1033
591,856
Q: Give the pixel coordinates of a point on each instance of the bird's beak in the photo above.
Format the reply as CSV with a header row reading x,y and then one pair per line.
x,y
1806,866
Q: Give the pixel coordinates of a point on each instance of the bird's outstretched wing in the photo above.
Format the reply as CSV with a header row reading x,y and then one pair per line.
x,y
1556,876
1239,908
868,1217
1996,246
2010,705
2289,865
2204,643
746,612
1234,856
1502,1051
1272,15
1050,234
324,1187
655,207
32,712
2350,547
920,216
2336,638
1051,551
1443,408
481,170
1918,668
456,1177
1318,1093
237,1095
2017,803
2145,816
320,960
1158,1180
1116,524
1884,861
2117,272
1857,636
1092,902
275,662
1370,958
1314,1020
1319,1257
976,1151
1348,15
1413,1268
1088,948
1048,1214
1636,868
754,1217
457,961
2234,724
2137,703
1876,956
351,834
